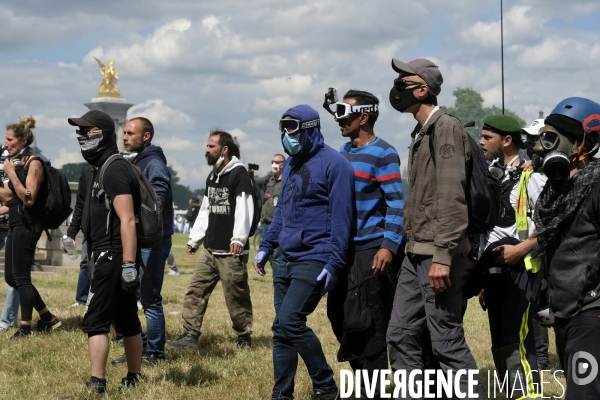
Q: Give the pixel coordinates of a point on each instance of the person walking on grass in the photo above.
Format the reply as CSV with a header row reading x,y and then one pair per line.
x,y
112,297
312,225
223,225
26,176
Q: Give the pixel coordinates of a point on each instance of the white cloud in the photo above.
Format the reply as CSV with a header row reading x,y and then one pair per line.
x,y
66,157
160,114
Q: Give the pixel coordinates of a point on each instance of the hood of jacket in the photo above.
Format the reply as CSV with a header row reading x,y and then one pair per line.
x,y
234,163
311,139
151,151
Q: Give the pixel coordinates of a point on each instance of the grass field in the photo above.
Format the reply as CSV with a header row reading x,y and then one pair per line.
x,y
56,365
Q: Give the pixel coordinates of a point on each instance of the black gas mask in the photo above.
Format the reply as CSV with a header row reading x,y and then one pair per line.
x,y
559,151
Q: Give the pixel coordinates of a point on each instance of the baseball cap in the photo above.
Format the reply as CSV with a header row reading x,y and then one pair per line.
x,y
534,128
426,69
95,118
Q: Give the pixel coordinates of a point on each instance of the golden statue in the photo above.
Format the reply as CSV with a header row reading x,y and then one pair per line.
x,y
108,87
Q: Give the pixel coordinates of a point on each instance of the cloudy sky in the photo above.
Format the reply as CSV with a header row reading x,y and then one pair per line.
x,y
238,65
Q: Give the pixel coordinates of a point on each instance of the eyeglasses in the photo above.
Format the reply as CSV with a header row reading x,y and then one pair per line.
x,y
402,84
277,162
343,110
291,126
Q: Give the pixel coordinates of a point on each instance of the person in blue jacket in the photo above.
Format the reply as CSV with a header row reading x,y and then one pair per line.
x,y
312,225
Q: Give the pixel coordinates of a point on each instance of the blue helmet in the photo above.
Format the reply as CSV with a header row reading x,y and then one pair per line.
x,y
585,111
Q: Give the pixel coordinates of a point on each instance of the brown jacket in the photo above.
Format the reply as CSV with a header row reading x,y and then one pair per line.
x,y
435,213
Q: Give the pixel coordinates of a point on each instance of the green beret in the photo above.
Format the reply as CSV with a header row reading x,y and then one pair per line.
x,y
502,125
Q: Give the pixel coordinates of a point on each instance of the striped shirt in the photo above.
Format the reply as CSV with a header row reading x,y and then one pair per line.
x,y
378,195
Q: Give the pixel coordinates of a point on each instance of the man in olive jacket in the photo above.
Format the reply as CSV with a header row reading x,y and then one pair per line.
x,y
428,295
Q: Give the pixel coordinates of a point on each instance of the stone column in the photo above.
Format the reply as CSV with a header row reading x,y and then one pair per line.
x,y
117,108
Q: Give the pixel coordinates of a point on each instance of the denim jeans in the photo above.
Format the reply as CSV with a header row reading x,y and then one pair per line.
x,y
297,294
154,259
83,284
10,312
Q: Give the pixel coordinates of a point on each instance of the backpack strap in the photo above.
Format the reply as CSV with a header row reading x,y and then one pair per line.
x,y
593,207
101,182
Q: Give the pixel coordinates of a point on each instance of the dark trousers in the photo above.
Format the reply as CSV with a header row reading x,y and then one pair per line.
x,y
20,250
359,309
296,295
580,354
417,307
510,315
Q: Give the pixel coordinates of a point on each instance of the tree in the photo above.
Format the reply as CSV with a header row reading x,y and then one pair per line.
x,y
182,194
468,107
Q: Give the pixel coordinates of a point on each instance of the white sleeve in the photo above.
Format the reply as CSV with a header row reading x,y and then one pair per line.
x,y
244,212
536,184
198,231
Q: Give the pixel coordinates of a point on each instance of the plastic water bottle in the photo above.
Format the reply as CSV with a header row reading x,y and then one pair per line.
x,y
70,247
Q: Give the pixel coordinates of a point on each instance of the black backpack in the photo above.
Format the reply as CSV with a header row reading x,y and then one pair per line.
x,y
257,199
55,196
148,218
483,192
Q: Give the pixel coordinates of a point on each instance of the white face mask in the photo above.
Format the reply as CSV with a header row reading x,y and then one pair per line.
x,y
90,141
275,167
219,161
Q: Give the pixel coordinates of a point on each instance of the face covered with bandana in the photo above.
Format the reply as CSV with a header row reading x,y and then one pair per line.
x,y
96,136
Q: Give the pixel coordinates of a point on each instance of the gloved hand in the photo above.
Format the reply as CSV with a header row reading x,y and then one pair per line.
x,y
259,262
129,278
329,278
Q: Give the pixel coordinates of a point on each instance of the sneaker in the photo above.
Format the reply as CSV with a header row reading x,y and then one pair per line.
x,y
544,364
4,328
139,304
97,385
174,271
323,395
559,373
47,326
21,333
130,380
186,341
244,342
76,304
150,360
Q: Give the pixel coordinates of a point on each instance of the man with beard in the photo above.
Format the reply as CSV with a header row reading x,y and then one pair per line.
x,y
137,138
428,293
112,296
271,185
312,226
377,230
223,224
567,219
503,252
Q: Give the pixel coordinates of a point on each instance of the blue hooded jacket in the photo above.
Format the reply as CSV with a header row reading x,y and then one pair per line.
x,y
153,163
313,217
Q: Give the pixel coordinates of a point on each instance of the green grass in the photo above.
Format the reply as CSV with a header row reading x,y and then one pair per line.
x,y
56,365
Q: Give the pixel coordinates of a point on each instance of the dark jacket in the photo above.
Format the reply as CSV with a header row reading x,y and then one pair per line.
x,y
435,213
153,163
271,187
81,215
313,216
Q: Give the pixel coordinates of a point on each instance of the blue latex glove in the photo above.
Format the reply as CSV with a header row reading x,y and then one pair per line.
x,y
260,260
330,280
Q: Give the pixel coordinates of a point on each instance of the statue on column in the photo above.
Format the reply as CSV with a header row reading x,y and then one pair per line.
x,y
108,87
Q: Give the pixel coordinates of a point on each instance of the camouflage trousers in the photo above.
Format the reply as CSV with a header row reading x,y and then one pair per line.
x,y
233,274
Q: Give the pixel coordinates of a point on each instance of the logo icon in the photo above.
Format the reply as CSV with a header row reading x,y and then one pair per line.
x,y
583,363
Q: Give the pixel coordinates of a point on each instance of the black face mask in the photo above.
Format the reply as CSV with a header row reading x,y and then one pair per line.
x,y
401,100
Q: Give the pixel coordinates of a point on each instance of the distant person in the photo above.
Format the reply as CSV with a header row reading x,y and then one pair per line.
x,y
271,186
112,297
223,225
192,212
26,176
10,311
312,225
173,270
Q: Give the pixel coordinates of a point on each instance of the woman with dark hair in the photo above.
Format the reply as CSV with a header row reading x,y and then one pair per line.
x,y
26,175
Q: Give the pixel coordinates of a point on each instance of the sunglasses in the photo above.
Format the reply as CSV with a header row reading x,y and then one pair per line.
x,y
402,84
343,110
291,126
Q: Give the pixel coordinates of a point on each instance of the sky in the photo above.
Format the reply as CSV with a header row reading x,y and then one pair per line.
x,y
191,66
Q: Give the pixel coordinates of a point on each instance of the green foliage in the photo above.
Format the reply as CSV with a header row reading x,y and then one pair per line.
x,y
468,107
73,171
182,194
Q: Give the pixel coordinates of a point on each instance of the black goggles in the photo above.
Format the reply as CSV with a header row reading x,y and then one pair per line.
x,y
291,126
